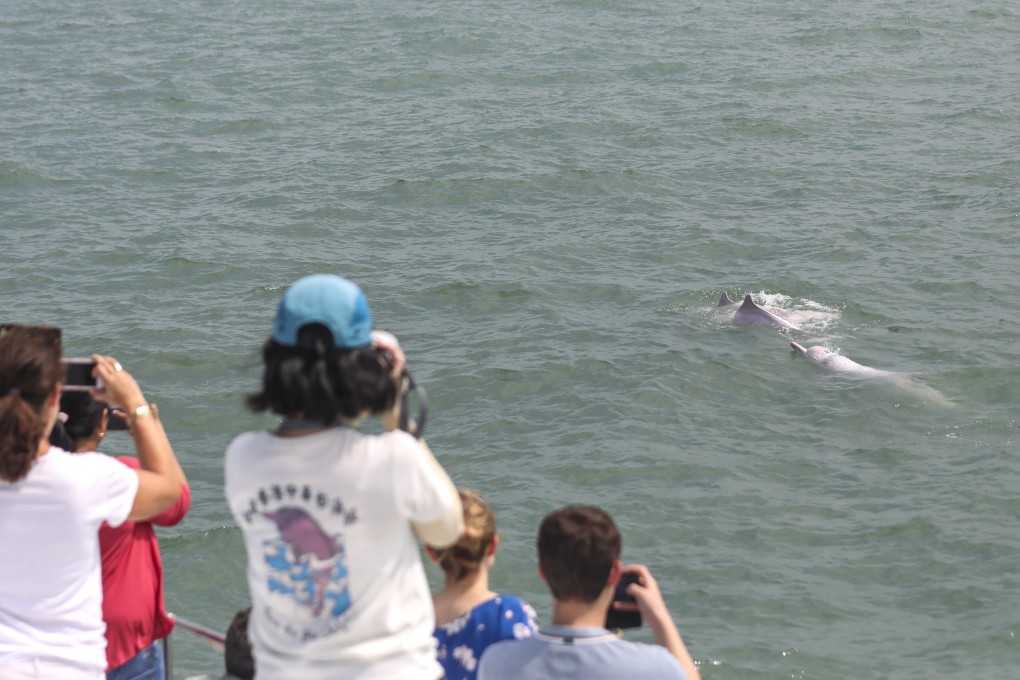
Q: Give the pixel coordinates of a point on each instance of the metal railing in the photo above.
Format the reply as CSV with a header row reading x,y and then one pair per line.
x,y
213,638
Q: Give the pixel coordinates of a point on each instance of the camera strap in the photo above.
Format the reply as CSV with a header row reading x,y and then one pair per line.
x,y
416,427
295,424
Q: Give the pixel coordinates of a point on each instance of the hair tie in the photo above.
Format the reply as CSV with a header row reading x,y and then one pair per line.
x,y
63,417
14,391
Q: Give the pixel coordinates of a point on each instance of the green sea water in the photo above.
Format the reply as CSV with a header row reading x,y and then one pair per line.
x,y
544,201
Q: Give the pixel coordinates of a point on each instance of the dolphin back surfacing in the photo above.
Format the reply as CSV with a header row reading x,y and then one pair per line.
x,y
749,313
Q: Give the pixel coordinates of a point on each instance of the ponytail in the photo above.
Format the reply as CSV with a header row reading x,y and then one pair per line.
x,y
29,372
21,427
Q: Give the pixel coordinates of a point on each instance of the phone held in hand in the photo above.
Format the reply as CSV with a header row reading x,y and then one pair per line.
x,y
116,421
78,375
618,619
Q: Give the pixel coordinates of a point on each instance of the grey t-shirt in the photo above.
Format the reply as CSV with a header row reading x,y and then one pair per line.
x,y
578,653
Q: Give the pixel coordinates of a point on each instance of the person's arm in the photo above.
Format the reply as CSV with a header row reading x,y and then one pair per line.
x,y
173,515
160,477
445,530
655,613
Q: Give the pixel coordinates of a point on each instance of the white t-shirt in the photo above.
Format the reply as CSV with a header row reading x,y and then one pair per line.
x,y
334,569
51,595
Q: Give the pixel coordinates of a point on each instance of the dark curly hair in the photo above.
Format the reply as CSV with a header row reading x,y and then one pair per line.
x,y
321,382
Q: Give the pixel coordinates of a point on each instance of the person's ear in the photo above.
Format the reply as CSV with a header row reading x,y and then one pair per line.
x,y
54,398
541,574
493,544
614,573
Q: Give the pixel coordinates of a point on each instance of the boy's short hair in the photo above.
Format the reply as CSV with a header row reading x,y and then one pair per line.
x,y
577,547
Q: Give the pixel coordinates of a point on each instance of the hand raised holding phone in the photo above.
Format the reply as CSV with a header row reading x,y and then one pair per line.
x,y
644,590
79,375
105,378
119,388
624,611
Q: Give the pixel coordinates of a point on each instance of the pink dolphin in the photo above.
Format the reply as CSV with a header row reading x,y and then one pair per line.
x,y
838,363
750,313
311,545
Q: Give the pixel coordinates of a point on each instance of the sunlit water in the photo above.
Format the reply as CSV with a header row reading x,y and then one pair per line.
x,y
544,202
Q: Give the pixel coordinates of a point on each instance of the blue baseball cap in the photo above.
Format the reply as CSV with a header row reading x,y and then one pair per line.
x,y
330,300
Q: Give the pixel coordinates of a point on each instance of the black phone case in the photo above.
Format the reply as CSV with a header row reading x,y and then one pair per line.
x,y
620,619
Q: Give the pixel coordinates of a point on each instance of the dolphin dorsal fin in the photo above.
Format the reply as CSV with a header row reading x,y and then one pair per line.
x,y
749,303
725,300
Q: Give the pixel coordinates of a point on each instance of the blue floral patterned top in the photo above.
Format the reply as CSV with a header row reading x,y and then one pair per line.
x,y
460,643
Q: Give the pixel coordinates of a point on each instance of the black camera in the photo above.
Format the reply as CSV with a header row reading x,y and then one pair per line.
x,y
416,426
409,390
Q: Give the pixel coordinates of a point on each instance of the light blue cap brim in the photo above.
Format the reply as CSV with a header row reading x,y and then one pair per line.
x,y
326,299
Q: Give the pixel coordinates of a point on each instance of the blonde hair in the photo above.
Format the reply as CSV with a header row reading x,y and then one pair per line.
x,y
466,555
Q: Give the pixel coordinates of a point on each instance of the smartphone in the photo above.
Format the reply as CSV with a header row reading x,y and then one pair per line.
x,y
623,619
78,375
114,422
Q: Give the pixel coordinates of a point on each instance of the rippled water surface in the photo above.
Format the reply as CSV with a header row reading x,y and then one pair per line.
x,y
544,201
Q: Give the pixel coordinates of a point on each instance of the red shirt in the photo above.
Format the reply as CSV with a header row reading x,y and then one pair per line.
x,y
133,607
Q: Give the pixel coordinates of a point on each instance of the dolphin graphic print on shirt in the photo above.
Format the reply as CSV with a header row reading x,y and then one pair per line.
x,y
306,563
303,558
